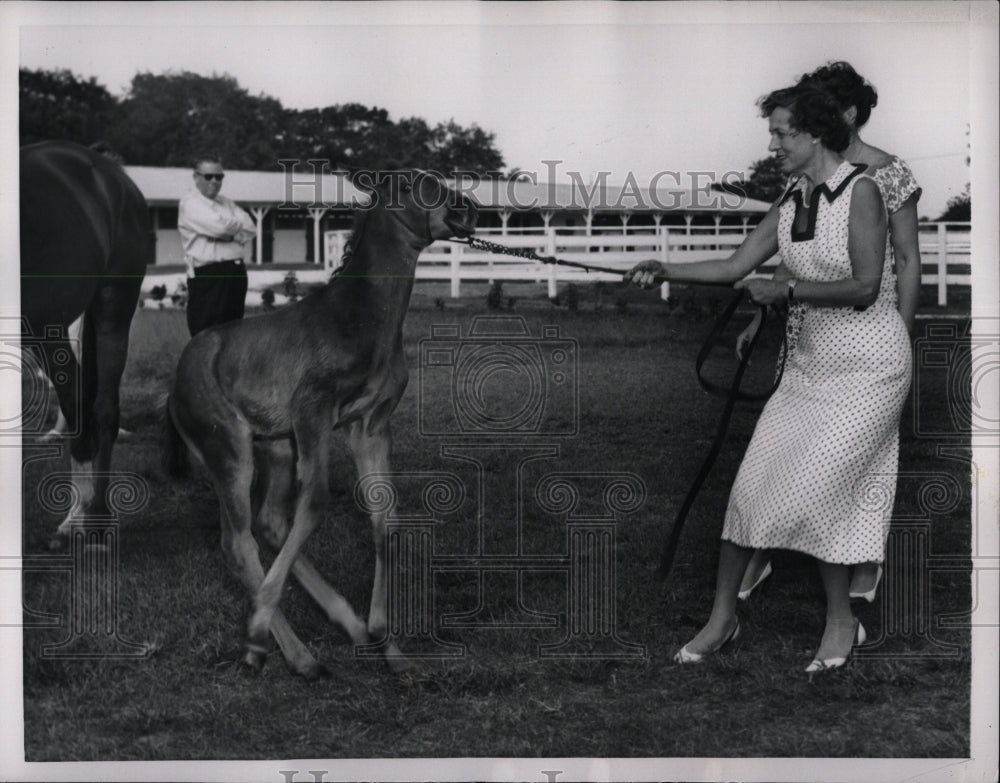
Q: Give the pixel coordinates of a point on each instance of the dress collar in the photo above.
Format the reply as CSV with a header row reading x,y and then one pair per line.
x,y
832,187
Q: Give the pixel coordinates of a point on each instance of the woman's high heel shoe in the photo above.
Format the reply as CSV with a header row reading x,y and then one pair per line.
x,y
761,578
684,655
835,663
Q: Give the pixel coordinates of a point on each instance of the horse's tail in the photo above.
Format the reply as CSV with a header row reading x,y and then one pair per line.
x,y
174,457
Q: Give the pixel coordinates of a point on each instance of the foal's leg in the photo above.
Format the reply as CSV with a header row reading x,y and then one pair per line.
x,y
229,460
371,447
311,428
275,472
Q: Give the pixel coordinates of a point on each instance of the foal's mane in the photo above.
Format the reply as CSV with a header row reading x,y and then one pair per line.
x,y
359,219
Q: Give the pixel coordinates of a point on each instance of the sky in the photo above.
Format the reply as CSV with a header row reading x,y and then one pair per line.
x,y
567,88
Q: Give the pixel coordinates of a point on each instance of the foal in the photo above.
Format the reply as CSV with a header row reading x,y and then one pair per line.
x,y
267,392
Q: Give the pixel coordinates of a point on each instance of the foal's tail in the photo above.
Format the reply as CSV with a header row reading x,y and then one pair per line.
x,y
174,459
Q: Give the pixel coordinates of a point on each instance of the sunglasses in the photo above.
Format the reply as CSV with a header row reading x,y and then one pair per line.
x,y
210,177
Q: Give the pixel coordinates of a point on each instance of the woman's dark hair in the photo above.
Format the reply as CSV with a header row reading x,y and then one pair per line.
x,y
847,86
814,111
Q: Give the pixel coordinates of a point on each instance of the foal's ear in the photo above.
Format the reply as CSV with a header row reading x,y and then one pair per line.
x,y
382,181
364,180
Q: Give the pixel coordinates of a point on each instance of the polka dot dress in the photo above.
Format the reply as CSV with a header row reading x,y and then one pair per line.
x,y
819,475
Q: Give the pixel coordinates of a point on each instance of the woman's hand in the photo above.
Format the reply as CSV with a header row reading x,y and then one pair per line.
x,y
645,273
743,341
764,292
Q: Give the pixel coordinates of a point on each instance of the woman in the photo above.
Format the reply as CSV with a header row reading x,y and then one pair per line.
x,y
856,98
833,422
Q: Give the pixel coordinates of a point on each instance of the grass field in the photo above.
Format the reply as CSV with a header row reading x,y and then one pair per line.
x,y
638,411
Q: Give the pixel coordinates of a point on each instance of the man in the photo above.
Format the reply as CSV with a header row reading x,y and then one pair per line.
x,y
214,232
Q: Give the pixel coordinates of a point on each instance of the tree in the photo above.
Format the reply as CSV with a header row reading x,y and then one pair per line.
x,y
353,137
166,120
766,182
959,207
59,105
454,148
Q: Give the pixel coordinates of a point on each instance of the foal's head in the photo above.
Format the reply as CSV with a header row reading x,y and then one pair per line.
x,y
421,203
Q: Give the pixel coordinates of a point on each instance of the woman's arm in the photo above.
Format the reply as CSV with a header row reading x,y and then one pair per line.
x,y
866,245
906,250
758,247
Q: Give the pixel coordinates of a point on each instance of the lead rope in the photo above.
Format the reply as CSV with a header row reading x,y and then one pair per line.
x,y
733,393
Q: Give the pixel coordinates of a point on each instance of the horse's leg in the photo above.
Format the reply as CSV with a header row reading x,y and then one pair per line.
x,y
311,427
273,490
229,460
61,427
75,391
105,349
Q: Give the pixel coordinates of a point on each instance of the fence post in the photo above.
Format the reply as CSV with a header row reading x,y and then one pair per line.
x,y
664,258
456,269
333,250
550,250
942,259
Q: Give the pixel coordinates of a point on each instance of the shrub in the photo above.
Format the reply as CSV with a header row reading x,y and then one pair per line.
x,y
180,295
494,297
599,291
267,299
158,293
291,286
572,298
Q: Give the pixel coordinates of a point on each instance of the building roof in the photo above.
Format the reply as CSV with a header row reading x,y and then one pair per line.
x,y
165,186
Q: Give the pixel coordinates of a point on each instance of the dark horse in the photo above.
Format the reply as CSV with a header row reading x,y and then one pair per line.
x,y
86,240
266,393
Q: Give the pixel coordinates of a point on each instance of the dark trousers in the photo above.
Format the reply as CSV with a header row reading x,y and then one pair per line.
x,y
217,293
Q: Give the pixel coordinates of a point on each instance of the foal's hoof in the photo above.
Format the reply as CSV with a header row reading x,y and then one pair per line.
x,y
401,665
314,671
255,658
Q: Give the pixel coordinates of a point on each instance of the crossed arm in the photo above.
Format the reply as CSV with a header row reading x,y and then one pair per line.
x,y
203,220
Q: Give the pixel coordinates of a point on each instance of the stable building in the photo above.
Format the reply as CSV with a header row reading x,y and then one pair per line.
x,y
295,209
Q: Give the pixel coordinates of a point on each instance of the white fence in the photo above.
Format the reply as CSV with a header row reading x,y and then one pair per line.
x,y
944,247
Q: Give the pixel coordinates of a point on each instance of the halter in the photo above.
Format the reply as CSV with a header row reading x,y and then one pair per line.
x,y
733,393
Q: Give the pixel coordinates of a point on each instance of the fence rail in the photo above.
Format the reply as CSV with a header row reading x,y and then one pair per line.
x,y
945,251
